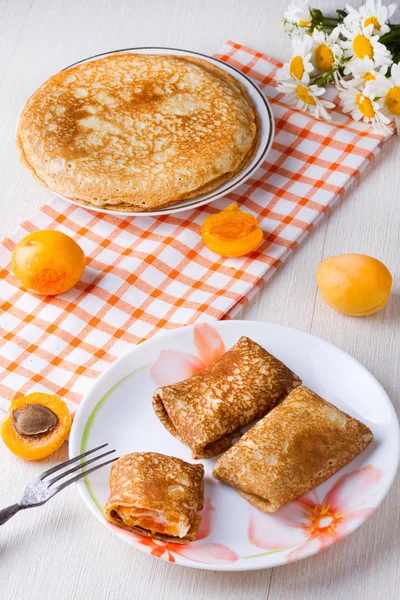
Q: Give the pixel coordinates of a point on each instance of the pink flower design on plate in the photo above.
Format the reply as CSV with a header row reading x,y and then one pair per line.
x,y
202,553
173,366
311,524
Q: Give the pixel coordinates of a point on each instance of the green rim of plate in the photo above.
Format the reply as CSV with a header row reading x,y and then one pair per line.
x,y
89,425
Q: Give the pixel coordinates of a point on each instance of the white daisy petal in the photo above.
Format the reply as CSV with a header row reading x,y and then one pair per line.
x,y
327,54
363,106
373,14
359,44
363,71
387,89
298,12
395,74
306,98
299,68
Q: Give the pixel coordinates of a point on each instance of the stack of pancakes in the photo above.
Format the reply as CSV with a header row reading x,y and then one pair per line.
x,y
132,132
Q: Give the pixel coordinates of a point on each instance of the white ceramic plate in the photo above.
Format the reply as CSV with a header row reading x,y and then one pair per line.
x,y
234,535
266,136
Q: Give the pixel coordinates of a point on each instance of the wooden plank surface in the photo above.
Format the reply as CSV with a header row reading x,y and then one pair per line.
x,y
60,551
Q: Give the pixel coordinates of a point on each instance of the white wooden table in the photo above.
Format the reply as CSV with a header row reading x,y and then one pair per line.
x,y
60,551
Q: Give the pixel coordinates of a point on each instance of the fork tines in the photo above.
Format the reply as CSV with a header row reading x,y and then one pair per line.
x,y
81,465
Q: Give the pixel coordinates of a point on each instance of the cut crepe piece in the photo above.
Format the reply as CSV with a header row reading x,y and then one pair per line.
x,y
298,445
207,410
156,496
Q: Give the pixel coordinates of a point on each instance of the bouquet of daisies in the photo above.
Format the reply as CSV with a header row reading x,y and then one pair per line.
x,y
357,51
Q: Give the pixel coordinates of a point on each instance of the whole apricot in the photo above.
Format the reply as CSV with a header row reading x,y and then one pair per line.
x,y
354,284
48,262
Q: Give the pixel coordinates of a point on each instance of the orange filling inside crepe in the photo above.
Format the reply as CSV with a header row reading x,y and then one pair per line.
x,y
154,521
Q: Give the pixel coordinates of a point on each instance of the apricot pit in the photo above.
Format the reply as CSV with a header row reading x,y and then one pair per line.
x,y
34,419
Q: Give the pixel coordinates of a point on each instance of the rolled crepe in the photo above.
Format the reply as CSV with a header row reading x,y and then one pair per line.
x,y
207,410
156,496
301,443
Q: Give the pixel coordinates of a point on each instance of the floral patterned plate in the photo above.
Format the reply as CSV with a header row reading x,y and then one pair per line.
x,y
234,535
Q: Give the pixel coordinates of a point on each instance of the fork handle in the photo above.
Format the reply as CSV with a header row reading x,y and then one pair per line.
x,y
9,512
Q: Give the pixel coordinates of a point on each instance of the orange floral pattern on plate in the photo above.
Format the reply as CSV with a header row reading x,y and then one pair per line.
x,y
173,366
312,524
207,553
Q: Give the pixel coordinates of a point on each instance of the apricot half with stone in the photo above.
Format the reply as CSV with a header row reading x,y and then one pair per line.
x,y
37,426
354,284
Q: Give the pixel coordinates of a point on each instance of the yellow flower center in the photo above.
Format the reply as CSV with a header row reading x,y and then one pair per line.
x,y
323,58
392,100
304,95
362,47
365,106
296,67
304,23
369,76
374,21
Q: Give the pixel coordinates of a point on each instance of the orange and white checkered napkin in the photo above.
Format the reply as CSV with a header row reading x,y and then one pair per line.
x,y
147,274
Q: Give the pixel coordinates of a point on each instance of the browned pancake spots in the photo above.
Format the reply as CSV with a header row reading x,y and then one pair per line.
x,y
137,131
208,408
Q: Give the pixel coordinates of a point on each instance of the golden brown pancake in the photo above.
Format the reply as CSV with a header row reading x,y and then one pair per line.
x,y
156,496
298,445
137,132
207,410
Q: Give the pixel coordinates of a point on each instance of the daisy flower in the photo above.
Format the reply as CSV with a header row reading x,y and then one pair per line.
x,y
360,44
300,67
388,89
371,13
307,98
326,52
297,16
363,71
361,107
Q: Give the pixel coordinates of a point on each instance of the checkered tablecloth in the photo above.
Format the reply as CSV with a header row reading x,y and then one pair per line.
x,y
147,274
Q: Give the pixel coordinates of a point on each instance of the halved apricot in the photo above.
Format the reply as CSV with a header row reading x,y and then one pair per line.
x,y
37,426
231,232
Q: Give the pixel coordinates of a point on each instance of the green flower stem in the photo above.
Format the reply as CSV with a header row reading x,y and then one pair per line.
x,y
319,21
392,42
325,78
327,28
392,36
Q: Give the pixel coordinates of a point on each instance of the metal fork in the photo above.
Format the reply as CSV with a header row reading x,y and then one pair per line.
x,y
41,489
